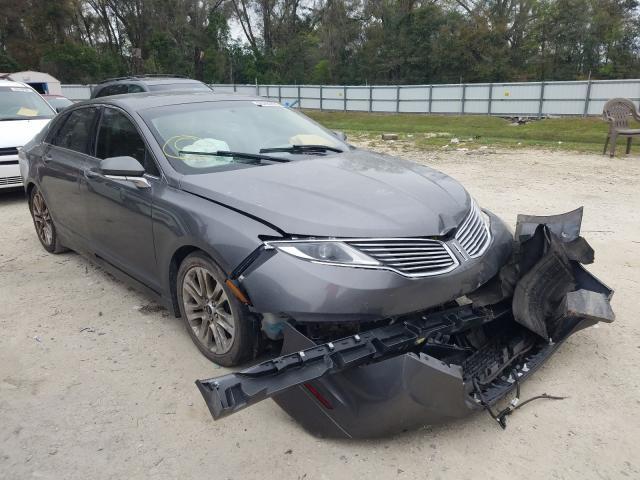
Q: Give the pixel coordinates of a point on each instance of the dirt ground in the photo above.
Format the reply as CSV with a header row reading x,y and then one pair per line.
x,y
96,382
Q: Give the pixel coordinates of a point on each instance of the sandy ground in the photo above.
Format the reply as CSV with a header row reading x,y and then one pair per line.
x,y
96,382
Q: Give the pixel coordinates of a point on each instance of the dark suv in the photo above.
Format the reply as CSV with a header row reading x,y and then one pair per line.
x,y
146,83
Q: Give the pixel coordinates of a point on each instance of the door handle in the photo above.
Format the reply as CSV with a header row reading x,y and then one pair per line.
x,y
46,158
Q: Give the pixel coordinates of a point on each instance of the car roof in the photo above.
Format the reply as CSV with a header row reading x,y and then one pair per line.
x,y
10,83
141,101
149,80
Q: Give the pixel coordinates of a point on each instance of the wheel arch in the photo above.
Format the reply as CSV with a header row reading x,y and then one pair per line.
x,y
174,265
29,188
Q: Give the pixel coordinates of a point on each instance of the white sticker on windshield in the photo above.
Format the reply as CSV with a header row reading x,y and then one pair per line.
x,y
267,104
20,89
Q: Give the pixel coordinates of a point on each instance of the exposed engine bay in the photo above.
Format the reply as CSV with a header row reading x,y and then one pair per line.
x,y
435,365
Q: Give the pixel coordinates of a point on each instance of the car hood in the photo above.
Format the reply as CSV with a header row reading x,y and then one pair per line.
x,y
354,194
16,133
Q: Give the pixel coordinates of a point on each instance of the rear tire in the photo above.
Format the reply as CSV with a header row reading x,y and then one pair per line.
x,y
217,322
43,223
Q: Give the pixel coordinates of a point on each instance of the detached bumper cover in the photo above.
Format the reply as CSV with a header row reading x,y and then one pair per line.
x,y
410,373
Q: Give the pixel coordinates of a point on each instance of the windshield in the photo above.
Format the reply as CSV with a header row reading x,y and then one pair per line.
x,y
22,103
59,102
231,126
179,86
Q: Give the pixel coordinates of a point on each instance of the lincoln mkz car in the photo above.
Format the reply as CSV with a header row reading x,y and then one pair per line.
x,y
394,297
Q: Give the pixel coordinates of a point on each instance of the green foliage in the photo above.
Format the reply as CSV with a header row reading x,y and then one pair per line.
x,y
7,64
328,41
75,63
321,73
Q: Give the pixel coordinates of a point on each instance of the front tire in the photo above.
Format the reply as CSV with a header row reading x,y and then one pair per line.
x,y
218,323
42,221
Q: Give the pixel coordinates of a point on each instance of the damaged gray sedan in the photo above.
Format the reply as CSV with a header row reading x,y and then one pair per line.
x,y
391,297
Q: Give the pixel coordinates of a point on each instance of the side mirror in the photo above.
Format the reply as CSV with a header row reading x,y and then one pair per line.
x,y
121,167
126,169
340,135
59,109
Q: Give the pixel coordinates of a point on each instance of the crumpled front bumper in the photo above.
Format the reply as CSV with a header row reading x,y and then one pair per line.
x,y
393,378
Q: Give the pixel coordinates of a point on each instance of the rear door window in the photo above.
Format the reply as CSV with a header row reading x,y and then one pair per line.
x,y
134,88
118,137
75,133
115,89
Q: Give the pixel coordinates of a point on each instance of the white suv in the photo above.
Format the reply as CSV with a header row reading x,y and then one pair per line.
x,y
23,113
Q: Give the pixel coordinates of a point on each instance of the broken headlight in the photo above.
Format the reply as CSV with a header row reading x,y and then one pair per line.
x,y
324,251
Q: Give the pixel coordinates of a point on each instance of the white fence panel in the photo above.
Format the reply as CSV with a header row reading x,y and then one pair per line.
x,y
76,92
414,93
477,92
384,93
413,106
508,99
225,89
358,93
626,89
476,106
358,105
566,91
565,107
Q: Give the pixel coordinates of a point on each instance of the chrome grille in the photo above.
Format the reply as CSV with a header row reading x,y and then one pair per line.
x,y
10,180
473,235
415,257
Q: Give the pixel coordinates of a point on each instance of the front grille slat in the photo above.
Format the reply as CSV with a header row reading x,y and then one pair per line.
x,y
415,257
401,250
473,235
392,256
8,151
424,263
10,180
421,269
391,244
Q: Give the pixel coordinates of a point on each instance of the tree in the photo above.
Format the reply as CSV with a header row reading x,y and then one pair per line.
x,y
324,41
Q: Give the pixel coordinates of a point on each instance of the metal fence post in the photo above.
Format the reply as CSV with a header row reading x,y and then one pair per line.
x,y
370,98
430,97
320,97
490,98
587,99
397,98
279,93
464,94
268,94
541,100
344,90
299,99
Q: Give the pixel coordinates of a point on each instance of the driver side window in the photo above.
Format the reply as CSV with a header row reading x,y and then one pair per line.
x,y
118,137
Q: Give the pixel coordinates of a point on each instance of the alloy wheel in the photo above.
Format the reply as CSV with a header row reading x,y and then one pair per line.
x,y
42,219
208,311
